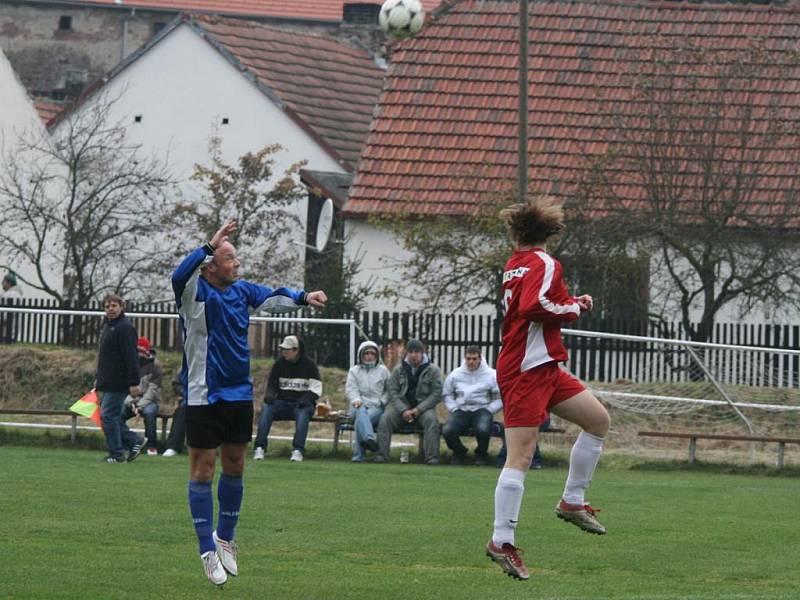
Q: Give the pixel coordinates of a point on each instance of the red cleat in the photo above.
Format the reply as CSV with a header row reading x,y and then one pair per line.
x,y
509,559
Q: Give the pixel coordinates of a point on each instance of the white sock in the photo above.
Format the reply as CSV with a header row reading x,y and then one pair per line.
x,y
507,500
582,463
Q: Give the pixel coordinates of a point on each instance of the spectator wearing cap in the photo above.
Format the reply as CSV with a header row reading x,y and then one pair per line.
x,y
146,405
10,295
293,388
415,388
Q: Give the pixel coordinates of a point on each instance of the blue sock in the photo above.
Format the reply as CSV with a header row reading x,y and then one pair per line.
x,y
201,504
229,494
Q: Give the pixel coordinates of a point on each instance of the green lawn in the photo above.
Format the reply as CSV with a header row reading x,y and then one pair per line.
x,y
73,527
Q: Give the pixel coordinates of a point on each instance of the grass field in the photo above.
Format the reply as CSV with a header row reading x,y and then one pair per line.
x,y
73,527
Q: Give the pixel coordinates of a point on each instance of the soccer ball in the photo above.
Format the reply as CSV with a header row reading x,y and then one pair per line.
x,y
401,18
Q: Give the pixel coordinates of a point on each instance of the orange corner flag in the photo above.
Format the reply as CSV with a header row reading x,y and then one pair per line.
x,y
89,406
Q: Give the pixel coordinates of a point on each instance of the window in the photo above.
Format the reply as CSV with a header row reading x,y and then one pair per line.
x,y
620,285
225,120
137,119
65,23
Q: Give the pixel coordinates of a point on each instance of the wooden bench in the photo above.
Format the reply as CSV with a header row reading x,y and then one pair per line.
x,y
498,431
334,419
43,412
693,437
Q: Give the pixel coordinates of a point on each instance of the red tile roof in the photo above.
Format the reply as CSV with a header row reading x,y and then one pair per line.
x,y
330,88
321,10
449,105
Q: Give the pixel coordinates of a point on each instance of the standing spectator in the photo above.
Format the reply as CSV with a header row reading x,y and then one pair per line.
x,y
117,377
537,303
10,296
177,430
472,397
215,307
415,388
366,391
293,388
146,405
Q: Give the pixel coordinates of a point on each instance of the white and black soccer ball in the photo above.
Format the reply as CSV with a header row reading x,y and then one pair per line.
x,y
401,18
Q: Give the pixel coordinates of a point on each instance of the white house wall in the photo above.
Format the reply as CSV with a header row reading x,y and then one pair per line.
x,y
18,117
376,249
182,89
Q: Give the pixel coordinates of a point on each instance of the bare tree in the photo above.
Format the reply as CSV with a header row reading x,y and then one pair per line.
x,y
456,263
266,210
82,207
452,262
701,174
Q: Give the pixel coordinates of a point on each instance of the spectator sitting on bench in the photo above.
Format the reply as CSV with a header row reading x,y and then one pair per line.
x,y
146,405
366,391
414,389
177,430
293,388
472,397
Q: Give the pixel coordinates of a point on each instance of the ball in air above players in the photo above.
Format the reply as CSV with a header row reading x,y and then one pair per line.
x,y
401,18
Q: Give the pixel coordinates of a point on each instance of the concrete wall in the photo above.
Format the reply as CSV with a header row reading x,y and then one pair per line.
x,y
58,63
54,62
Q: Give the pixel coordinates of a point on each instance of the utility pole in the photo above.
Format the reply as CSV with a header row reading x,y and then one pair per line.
x,y
522,166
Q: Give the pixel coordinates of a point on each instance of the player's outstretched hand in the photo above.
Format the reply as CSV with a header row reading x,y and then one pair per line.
x,y
222,234
585,302
318,298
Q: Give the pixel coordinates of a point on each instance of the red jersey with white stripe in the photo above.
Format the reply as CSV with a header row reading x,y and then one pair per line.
x,y
536,303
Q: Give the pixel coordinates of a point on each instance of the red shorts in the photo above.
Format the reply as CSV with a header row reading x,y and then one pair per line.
x,y
528,397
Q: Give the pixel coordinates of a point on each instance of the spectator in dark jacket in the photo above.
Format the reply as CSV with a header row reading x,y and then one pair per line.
x,y
415,388
293,388
117,376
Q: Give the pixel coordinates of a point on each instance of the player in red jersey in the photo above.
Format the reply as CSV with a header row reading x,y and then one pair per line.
x,y
536,303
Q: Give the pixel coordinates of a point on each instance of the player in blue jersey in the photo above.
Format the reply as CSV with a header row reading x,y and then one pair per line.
x,y
215,307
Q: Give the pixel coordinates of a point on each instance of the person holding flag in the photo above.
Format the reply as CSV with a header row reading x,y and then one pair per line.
x,y
214,306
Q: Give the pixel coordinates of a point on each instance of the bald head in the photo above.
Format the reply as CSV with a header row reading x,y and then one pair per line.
x,y
223,269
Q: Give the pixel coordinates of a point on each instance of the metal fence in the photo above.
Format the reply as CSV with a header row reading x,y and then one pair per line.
x,y
330,341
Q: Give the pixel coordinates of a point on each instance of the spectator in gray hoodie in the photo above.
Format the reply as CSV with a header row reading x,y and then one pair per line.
x,y
471,395
366,391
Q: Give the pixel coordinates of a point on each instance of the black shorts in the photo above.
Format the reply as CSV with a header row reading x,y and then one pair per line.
x,y
210,425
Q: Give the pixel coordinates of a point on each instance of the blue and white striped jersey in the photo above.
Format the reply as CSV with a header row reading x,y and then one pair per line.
x,y
216,354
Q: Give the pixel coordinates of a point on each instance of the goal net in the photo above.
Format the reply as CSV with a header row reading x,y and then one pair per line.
x,y
680,386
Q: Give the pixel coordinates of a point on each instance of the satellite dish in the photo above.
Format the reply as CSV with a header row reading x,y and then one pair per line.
x,y
324,225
